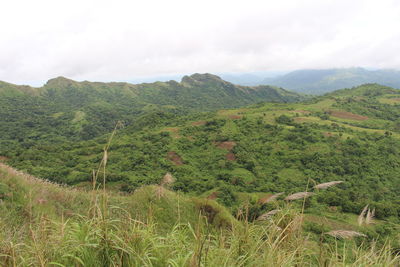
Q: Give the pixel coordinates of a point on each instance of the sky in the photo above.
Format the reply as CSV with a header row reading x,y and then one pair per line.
x,y
124,40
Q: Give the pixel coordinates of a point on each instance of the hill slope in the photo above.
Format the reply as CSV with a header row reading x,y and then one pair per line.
x,y
350,135
326,80
43,224
67,109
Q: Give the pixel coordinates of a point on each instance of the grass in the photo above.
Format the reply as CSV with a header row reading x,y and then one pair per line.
x,y
71,227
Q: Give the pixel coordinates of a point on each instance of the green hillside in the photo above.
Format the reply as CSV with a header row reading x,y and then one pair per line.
x,y
350,135
44,224
229,199
66,109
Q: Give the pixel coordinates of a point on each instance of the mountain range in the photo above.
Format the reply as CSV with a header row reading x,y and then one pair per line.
x,y
87,109
320,81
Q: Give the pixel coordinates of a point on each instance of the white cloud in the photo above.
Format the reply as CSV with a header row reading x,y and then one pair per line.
x,y
121,40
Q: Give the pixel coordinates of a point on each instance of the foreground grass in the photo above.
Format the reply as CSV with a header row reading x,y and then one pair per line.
x,y
43,224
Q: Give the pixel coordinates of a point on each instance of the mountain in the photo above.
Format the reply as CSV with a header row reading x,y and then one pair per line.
x,y
321,81
83,110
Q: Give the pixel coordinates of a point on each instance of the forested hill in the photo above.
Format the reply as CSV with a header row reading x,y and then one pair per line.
x,y
83,110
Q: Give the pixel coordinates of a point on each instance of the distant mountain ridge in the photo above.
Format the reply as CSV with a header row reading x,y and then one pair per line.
x,y
64,107
320,81
209,83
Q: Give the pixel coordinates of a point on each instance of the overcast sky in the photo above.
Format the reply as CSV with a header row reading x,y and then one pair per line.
x,y
123,40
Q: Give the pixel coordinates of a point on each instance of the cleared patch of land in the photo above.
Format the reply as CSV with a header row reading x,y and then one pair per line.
x,y
347,115
198,123
175,158
226,145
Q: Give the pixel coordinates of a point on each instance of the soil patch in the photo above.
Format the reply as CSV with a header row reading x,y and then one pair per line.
x,y
230,156
226,145
175,158
2,158
235,117
199,123
328,134
348,115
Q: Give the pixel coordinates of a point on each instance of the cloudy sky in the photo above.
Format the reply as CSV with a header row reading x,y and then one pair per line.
x,y
123,40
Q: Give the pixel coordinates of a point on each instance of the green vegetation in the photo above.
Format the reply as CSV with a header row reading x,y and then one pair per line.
x,y
43,224
264,148
68,110
225,165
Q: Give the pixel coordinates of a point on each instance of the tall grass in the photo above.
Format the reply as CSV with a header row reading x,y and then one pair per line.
x,y
80,241
148,230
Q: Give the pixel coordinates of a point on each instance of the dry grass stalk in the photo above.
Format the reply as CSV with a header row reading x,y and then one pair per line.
x,y
299,195
167,180
273,197
328,184
370,216
105,157
267,215
345,234
361,217
160,191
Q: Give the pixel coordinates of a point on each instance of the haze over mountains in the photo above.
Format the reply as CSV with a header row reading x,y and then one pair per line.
x,y
326,80
319,81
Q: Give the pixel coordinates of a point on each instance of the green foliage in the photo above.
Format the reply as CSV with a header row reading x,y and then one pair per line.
x,y
246,150
4,191
64,110
316,228
284,119
226,195
44,224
